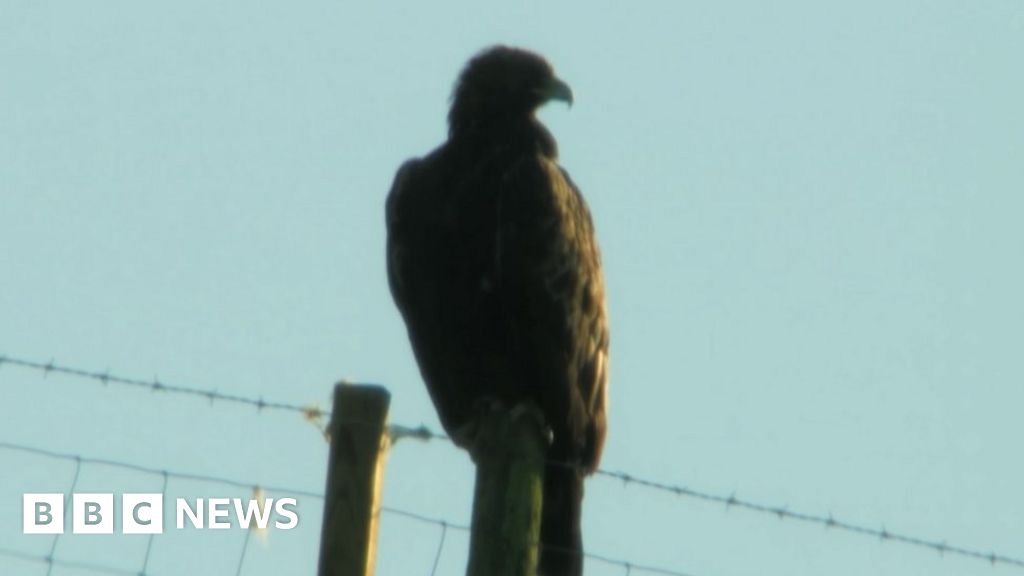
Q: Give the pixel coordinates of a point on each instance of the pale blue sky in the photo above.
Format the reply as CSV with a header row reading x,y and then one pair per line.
x,y
810,221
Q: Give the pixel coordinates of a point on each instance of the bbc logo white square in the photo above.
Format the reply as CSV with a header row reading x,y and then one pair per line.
x,y
42,513
92,513
142,513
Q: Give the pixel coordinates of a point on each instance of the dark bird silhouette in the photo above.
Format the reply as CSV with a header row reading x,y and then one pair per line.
x,y
494,265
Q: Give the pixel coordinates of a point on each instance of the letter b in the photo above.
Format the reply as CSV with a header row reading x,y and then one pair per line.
x,y
42,514
92,514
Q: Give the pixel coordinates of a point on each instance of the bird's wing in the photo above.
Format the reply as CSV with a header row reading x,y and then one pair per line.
x,y
399,230
549,267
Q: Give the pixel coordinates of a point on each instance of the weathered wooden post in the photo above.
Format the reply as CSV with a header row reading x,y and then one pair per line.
x,y
509,454
359,443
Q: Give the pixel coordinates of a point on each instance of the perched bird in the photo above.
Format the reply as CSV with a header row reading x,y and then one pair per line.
x,y
494,265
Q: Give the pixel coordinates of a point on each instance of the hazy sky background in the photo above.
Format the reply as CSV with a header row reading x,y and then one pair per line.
x,y
810,216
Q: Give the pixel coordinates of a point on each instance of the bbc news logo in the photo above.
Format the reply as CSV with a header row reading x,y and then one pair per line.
x,y
144,513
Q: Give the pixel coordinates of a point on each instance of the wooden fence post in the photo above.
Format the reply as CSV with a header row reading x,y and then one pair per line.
x,y
509,455
359,442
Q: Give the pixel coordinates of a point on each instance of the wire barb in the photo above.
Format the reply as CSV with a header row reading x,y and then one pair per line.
x,y
421,432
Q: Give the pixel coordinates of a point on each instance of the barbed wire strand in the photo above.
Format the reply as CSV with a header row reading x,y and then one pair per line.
x,y
66,563
156,385
442,522
782,513
309,412
424,433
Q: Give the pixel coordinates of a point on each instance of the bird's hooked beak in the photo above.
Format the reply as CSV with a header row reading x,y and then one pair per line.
x,y
557,90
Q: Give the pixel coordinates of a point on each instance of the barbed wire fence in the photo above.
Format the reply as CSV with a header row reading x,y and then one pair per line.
x,y
422,432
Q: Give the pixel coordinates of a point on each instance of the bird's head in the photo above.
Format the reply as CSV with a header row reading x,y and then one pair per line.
x,y
503,85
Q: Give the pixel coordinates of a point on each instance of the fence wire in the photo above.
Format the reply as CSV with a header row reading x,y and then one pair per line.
x,y
443,523
51,561
422,432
